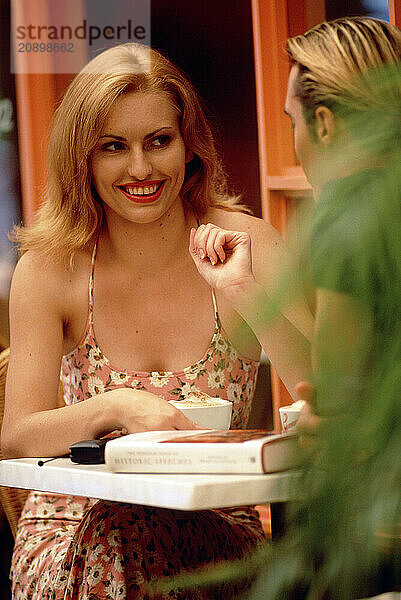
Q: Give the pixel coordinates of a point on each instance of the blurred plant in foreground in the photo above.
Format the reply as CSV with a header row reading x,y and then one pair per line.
x,y
344,534
343,539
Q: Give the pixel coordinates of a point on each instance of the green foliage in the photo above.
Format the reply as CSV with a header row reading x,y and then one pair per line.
x,y
344,535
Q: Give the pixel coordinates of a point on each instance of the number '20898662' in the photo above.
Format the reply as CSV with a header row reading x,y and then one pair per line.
x,y
45,47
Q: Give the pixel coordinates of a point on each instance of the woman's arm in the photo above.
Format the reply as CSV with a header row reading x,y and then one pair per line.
x,y
32,424
280,320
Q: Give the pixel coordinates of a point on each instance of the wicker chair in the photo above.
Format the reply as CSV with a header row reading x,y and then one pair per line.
x,y
12,499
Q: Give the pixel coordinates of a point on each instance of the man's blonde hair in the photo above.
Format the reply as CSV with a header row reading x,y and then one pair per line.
x,y
71,213
336,60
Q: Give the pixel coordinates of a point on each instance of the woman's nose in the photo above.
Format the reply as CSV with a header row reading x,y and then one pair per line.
x,y
139,165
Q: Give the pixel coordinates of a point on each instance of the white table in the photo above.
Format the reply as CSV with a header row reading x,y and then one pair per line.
x,y
175,491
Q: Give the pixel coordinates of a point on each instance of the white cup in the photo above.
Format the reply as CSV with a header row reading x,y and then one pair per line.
x,y
289,415
215,414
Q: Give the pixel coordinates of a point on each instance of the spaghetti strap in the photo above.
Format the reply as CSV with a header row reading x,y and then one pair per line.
x,y
216,312
91,277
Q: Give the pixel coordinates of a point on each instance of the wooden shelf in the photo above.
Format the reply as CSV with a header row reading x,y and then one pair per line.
x,y
293,180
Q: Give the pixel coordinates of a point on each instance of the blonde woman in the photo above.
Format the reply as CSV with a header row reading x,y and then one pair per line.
x,y
106,292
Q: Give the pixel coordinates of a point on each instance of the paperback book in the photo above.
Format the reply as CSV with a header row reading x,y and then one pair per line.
x,y
206,451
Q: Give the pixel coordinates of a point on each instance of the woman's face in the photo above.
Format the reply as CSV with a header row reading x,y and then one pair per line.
x,y
138,164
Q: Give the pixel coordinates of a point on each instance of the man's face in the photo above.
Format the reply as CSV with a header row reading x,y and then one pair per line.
x,y
304,147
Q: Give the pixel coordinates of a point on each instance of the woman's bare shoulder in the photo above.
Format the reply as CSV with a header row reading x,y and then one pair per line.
x,y
259,229
37,275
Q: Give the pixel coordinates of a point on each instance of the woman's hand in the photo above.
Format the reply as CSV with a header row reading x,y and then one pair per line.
x,y
223,258
138,411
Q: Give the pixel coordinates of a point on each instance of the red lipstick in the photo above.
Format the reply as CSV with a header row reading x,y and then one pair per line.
x,y
144,192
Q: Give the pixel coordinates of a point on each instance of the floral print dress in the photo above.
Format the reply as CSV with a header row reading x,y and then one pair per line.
x,y
74,548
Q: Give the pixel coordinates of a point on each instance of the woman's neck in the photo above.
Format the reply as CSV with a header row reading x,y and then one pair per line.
x,y
156,245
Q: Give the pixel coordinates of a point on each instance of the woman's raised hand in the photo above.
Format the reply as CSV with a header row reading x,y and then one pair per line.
x,y
223,258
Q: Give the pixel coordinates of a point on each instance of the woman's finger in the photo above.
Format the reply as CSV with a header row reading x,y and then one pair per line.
x,y
219,245
200,239
209,241
211,245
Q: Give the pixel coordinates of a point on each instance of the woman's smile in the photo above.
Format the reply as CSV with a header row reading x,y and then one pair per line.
x,y
143,192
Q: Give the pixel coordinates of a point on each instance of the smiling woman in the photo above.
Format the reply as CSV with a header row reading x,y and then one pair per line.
x,y
107,290
79,123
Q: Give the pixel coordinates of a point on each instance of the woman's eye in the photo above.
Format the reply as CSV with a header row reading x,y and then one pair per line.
x,y
160,141
112,146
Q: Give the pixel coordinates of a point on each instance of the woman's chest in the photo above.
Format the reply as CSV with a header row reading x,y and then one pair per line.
x,y
163,327
150,322
145,324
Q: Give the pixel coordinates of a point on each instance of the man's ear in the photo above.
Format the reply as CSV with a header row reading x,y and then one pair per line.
x,y
188,155
325,125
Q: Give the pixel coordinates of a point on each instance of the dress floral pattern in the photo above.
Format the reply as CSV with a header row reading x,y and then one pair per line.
x,y
72,548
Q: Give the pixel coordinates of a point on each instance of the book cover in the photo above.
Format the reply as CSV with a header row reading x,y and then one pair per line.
x,y
207,451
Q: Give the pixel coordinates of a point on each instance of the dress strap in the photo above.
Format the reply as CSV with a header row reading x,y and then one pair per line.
x,y
91,278
216,312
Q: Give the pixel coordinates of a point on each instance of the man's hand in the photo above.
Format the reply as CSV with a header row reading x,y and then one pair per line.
x,y
308,423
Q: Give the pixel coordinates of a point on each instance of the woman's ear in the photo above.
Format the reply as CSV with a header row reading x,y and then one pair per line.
x,y
188,155
325,125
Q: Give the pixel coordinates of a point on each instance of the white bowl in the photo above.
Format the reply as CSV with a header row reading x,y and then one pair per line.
x,y
289,415
209,416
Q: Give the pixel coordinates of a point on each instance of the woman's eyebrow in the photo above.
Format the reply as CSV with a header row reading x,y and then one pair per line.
x,y
157,131
122,139
112,135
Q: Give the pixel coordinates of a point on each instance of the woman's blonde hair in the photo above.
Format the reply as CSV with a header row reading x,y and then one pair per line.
x,y
71,214
336,60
